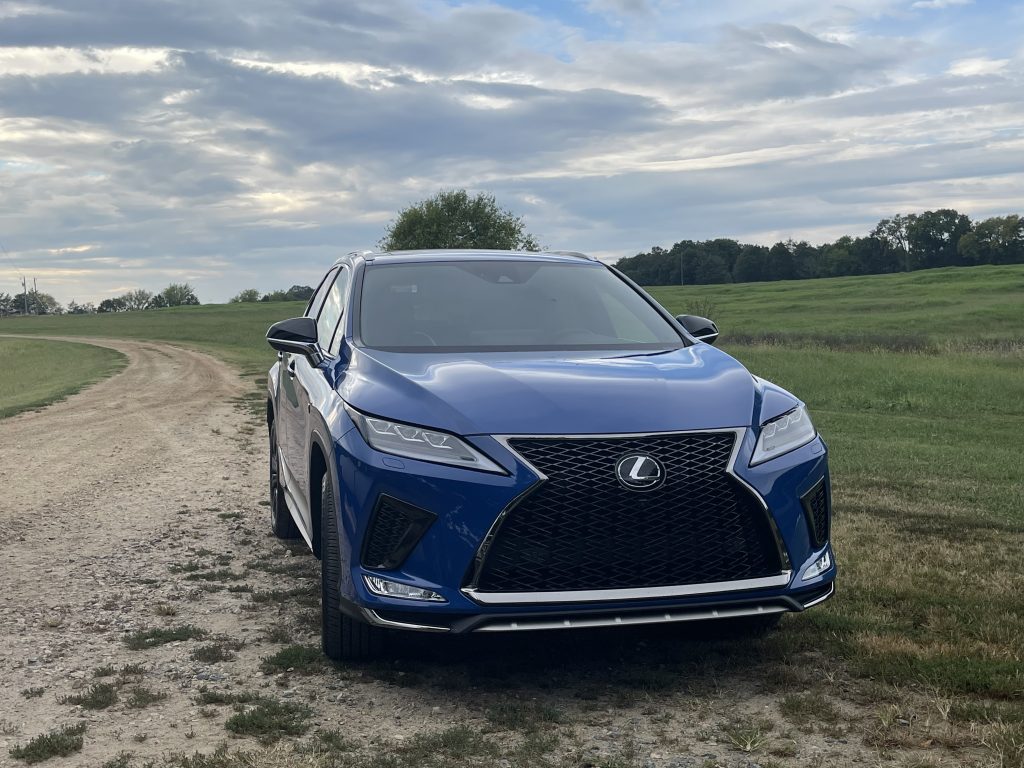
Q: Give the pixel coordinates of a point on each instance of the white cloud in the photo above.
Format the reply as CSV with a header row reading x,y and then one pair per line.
x,y
929,4
977,66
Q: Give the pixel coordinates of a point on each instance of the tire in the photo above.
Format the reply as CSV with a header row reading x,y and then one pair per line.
x,y
343,637
281,521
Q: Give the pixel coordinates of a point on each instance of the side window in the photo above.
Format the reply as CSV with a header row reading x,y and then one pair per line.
x,y
330,313
313,308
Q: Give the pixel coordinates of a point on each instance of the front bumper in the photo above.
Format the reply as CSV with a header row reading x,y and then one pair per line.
x,y
467,503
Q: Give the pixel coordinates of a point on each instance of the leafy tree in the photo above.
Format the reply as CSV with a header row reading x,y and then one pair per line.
x,y
40,303
998,240
7,304
137,300
454,219
245,297
781,262
709,268
179,294
934,236
895,239
157,302
300,293
115,304
74,308
751,265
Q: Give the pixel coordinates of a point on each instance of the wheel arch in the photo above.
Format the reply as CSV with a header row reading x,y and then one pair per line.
x,y
320,463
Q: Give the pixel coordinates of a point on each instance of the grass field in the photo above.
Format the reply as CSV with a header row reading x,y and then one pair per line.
x,y
36,373
917,384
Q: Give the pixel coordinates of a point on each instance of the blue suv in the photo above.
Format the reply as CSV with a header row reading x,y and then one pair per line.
x,y
491,441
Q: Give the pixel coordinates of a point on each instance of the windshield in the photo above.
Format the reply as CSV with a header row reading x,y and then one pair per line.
x,y
506,305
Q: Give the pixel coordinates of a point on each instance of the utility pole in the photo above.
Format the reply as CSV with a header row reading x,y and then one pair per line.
x,y
24,288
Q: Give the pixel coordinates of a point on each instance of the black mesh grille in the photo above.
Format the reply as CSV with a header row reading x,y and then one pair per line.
x,y
816,507
394,529
582,530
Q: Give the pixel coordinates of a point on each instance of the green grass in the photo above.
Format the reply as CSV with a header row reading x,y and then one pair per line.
x,y
37,373
972,303
269,719
151,638
232,332
59,743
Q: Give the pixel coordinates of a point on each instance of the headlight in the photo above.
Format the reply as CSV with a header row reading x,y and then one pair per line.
x,y
783,434
419,443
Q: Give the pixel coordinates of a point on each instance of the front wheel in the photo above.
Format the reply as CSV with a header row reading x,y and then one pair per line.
x,y
343,638
281,521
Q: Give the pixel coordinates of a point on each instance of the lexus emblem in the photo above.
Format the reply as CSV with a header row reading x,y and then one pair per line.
x,y
639,472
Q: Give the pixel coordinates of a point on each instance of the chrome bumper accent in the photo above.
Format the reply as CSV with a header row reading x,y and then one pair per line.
x,y
655,617
643,593
822,598
372,617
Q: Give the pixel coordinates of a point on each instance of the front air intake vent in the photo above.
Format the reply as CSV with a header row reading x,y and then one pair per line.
x,y
817,508
395,528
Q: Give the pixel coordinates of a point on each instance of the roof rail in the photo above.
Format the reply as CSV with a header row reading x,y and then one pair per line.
x,y
364,252
574,254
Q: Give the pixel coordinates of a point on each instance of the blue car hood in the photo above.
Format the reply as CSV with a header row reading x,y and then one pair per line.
x,y
506,393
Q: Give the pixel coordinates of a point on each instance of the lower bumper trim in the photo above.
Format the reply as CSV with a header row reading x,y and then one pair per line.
x,y
630,619
643,593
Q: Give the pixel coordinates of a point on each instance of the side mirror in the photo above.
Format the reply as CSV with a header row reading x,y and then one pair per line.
x,y
700,328
298,336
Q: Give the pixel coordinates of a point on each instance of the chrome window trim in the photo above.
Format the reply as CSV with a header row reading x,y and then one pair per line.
x,y
781,579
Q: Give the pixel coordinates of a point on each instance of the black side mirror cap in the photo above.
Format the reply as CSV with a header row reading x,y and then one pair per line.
x,y
296,335
700,328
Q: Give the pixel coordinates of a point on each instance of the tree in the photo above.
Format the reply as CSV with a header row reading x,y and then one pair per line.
x,y
751,265
934,237
157,302
893,235
7,304
454,219
299,293
709,268
40,303
998,240
246,296
781,263
74,308
179,294
116,304
137,300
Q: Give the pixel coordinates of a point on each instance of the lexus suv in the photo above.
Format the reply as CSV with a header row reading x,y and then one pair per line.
x,y
493,441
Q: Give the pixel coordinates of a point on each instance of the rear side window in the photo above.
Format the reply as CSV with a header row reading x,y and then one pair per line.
x,y
331,311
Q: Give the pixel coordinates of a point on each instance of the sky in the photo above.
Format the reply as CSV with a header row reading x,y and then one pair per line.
x,y
235,145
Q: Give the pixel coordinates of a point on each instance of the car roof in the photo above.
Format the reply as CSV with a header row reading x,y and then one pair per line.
x,y
457,254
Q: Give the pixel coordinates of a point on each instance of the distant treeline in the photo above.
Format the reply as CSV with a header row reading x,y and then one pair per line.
x,y
903,243
295,293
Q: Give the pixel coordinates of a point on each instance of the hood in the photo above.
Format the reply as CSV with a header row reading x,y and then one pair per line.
x,y
553,393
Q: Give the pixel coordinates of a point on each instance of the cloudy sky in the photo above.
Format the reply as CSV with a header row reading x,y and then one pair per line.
x,y
237,145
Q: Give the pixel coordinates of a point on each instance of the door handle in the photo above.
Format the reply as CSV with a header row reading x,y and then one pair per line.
x,y
280,355
291,368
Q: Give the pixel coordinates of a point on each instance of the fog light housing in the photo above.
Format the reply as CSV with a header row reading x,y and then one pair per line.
x,y
388,588
819,566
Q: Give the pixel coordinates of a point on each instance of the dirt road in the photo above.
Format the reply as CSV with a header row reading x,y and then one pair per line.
x,y
142,596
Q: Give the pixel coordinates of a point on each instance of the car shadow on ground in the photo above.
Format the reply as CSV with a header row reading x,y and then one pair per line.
x,y
616,664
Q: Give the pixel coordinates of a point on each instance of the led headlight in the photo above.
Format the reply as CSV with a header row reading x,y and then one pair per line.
x,y
783,434
420,443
